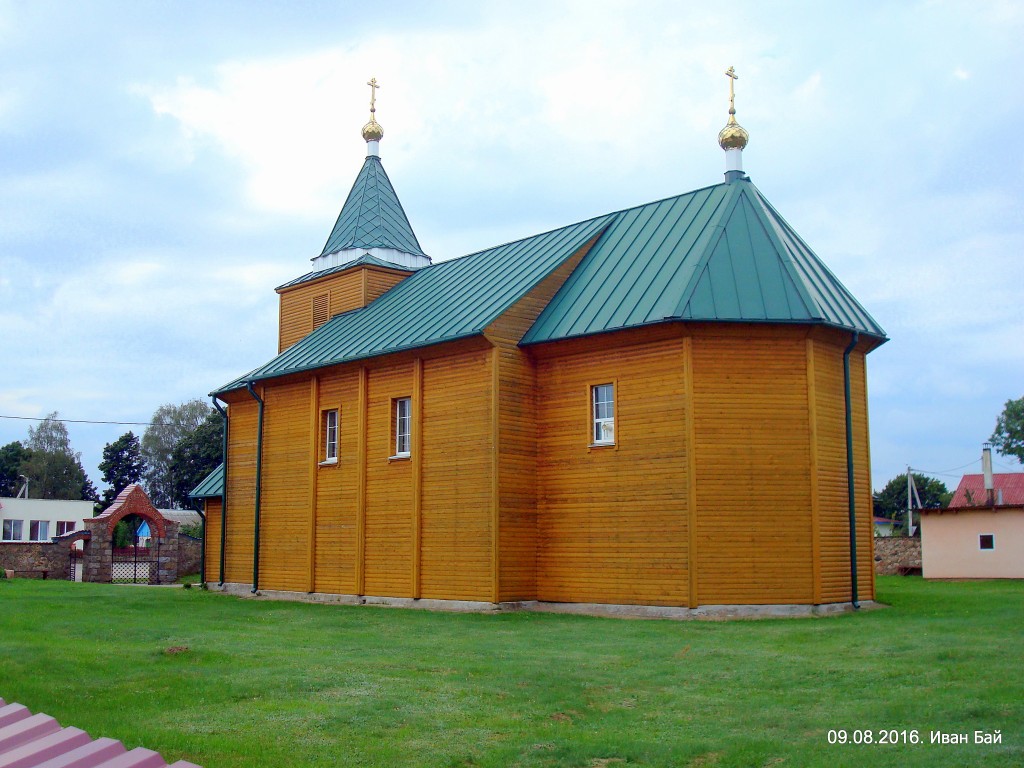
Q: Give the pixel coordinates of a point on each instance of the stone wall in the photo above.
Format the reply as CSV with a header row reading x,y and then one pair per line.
x,y
189,554
38,560
897,555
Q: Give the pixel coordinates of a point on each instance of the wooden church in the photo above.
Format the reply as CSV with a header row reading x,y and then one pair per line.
x,y
665,406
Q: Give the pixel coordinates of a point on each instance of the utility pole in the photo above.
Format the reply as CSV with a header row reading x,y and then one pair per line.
x,y
912,496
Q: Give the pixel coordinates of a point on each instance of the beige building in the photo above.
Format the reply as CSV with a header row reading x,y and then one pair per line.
x,y
973,539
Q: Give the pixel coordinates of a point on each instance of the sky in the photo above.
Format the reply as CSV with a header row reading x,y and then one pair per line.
x,y
165,165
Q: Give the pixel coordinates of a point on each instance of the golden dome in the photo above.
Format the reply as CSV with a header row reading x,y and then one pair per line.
x,y
733,136
372,131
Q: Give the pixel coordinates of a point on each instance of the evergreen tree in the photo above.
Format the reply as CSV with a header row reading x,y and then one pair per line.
x,y
122,465
196,456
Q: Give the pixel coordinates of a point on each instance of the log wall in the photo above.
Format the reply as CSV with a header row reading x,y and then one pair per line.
x,y
505,498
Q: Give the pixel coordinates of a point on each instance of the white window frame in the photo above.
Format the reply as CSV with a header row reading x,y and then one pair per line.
x,y
67,525
403,427
330,435
986,549
602,420
16,529
40,525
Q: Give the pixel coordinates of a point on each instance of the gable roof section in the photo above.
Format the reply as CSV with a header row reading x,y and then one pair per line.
x,y
212,486
721,253
1010,483
443,302
372,216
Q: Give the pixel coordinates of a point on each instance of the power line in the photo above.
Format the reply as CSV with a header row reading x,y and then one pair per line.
x,y
946,472
88,421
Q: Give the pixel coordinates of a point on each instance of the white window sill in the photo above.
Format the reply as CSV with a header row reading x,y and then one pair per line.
x,y
602,445
328,462
399,457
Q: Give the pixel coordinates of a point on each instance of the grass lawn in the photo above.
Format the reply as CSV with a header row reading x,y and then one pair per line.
x,y
288,684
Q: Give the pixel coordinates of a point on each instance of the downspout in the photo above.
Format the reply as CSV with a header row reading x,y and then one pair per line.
x,y
259,483
850,485
224,493
202,546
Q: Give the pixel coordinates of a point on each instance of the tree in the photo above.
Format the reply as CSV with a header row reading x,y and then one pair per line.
x,y
122,465
195,456
54,470
170,423
891,501
89,492
12,456
1008,437
51,436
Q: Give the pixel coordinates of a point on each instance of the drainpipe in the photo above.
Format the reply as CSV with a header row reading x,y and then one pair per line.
x,y
259,483
850,485
224,493
202,546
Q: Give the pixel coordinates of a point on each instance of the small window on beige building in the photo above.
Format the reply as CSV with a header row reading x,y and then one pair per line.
x,y
987,541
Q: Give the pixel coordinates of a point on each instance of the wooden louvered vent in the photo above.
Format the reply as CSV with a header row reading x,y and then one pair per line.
x,y
321,310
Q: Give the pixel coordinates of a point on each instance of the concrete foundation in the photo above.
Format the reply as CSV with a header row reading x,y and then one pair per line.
x,y
704,612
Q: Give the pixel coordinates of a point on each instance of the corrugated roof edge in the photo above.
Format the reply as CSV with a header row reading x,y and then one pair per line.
x,y
792,233
210,486
366,258
686,321
240,383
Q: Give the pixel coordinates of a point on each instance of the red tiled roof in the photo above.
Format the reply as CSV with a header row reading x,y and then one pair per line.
x,y
1010,483
28,740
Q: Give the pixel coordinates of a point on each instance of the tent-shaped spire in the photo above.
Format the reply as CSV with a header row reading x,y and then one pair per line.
x,y
372,216
372,221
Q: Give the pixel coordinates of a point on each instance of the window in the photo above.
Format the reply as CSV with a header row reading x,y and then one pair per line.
x,y
987,541
403,426
602,398
65,526
329,422
12,530
38,530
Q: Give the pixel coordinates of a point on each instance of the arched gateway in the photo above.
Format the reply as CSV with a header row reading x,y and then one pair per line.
x,y
155,564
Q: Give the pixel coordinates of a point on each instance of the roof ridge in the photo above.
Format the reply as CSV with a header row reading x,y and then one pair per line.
x,y
785,257
706,244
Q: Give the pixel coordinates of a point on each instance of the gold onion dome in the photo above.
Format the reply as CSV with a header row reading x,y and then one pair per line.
x,y
733,136
373,132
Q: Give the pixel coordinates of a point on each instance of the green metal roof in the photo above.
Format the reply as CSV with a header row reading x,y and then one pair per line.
x,y
443,302
372,216
721,254
212,485
366,258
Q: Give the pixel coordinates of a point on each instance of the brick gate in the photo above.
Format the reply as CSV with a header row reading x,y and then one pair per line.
x,y
158,564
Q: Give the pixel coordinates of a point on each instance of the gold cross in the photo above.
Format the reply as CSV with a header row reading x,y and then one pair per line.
x,y
373,93
733,77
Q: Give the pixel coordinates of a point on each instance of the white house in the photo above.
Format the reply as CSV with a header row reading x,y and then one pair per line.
x,y
25,520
